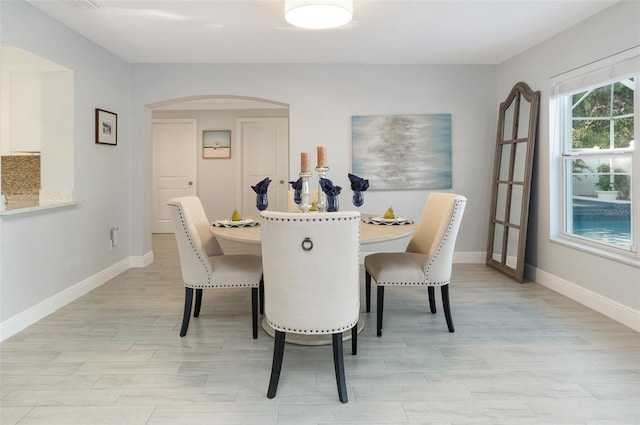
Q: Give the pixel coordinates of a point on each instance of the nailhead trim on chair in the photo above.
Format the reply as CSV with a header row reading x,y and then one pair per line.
x,y
310,332
209,284
184,226
456,208
311,219
199,286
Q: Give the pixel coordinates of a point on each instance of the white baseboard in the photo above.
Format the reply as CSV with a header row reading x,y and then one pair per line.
x,y
22,320
469,257
143,261
616,311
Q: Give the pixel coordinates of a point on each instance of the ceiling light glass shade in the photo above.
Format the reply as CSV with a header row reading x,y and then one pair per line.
x,y
318,14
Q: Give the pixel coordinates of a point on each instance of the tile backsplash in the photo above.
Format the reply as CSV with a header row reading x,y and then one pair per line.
x,y
20,175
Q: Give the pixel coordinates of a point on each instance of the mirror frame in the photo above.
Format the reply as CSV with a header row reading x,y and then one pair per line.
x,y
502,214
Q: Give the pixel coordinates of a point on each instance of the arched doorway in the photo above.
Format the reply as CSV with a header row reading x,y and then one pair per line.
x,y
223,184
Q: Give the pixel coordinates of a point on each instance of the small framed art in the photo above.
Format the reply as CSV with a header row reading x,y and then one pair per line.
x,y
106,127
216,144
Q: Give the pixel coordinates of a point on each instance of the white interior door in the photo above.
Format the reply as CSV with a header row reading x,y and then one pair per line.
x,y
174,167
265,153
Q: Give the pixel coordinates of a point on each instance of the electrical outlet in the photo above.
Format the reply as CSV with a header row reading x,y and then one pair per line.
x,y
113,236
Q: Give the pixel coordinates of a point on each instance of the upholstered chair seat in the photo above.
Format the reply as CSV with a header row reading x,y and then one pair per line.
x,y
427,260
397,268
311,281
203,263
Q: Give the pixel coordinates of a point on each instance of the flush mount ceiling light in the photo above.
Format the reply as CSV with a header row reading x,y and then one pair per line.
x,y
318,14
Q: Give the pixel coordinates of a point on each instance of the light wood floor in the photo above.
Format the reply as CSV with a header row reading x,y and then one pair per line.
x,y
521,354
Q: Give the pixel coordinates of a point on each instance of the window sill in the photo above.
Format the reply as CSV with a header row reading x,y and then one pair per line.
x,y
36,208
628,258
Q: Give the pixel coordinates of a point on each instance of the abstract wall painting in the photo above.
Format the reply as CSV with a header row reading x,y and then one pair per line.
x,y
398,152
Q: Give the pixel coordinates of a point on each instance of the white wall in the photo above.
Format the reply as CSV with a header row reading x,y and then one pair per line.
x,y
322,99
47,254
583,276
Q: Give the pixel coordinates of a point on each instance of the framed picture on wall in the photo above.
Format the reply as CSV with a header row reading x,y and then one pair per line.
x,y
399,152
216,144
106,127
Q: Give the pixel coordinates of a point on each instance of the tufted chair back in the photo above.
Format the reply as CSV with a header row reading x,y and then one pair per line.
x,y
195,241
436,234
311,287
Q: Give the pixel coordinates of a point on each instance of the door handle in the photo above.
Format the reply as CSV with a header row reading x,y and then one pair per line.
x,y
190,183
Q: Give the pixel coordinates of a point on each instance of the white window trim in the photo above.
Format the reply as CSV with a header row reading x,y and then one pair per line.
x,y
594,74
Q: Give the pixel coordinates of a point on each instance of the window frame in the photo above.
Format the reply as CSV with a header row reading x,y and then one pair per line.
x,y
597,74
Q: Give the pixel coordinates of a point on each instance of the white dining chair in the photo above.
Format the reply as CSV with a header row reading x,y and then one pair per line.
x,y
204,265
311,281
427,260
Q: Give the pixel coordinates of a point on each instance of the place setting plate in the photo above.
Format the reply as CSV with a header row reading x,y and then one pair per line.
x,y
247,222
388,221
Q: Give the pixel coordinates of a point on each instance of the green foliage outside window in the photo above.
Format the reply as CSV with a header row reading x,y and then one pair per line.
x,y
602,113
619,182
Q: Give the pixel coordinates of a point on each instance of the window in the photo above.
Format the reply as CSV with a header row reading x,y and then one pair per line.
x,y
594,114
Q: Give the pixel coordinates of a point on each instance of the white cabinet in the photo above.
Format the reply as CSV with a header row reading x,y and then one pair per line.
x,y
26,113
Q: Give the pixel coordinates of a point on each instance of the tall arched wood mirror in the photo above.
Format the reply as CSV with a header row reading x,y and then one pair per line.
x,y
517,122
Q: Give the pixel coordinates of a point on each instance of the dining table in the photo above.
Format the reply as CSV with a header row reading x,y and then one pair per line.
x,y
373,229
370,232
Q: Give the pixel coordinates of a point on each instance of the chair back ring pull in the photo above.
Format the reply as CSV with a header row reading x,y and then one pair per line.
x,y
307,245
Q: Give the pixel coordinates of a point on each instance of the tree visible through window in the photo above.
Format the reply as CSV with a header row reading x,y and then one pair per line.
x,y
598,163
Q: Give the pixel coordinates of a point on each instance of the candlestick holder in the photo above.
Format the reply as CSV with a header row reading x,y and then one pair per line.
x,y
305,203
322,197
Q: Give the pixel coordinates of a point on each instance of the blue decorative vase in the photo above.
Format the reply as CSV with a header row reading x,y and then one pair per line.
x,y
296,196
261,201
332,203
358,198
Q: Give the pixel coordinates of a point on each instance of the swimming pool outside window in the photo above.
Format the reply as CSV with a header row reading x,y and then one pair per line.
x,y
594,132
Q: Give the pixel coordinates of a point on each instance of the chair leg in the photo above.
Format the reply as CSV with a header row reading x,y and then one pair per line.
x,y
254,311
196,310
276,366
380,296
338,364
261,286
188,299
432,299
367,290
446,307
354,340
